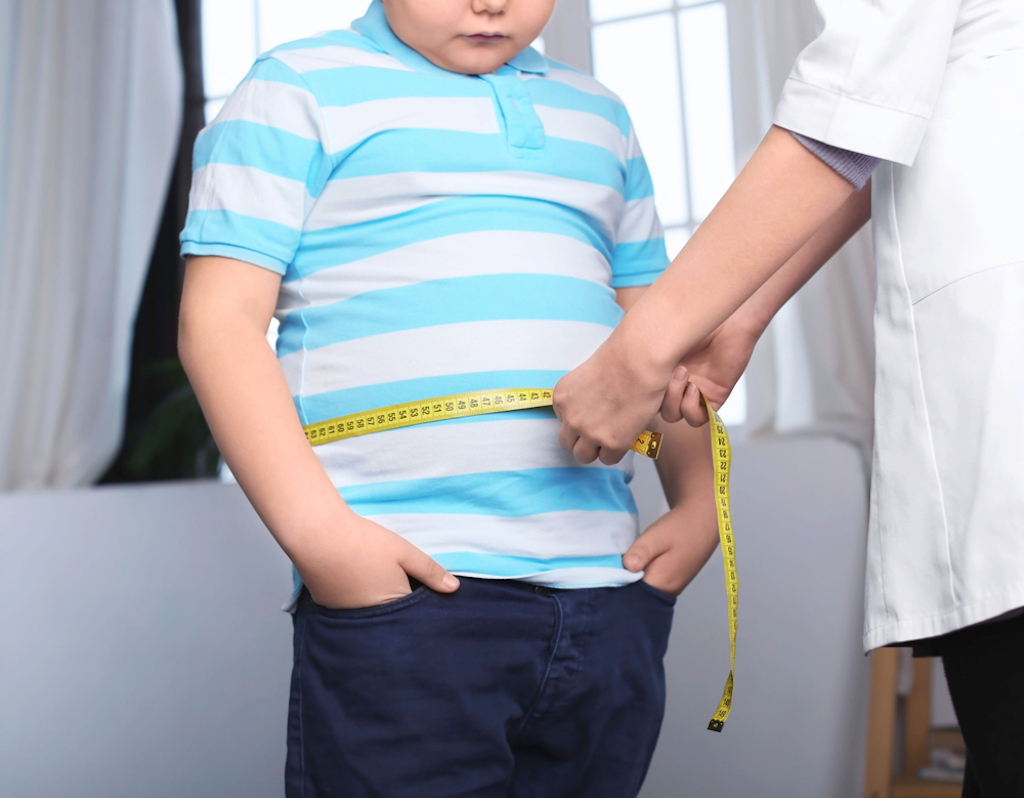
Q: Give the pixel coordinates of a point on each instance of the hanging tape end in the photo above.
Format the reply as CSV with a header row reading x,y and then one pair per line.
x,y
716,725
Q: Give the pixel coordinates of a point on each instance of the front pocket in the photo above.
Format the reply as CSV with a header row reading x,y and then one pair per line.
x,y
390,608
661,595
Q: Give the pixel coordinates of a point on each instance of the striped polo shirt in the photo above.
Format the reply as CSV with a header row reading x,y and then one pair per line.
x,y
439,233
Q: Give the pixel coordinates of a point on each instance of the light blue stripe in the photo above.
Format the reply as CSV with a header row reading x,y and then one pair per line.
x,y
270,149
506,494
331,404
504,565
323,249
421,150
204,228
237,253
349,85
454,300
636,258
638,180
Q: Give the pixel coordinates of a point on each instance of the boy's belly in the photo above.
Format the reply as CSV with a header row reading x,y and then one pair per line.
x,y
493,496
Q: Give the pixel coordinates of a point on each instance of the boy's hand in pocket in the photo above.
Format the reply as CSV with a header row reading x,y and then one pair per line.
x,y
673,549
362,564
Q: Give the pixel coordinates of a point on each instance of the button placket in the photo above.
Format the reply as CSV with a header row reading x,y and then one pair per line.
x,y
524,131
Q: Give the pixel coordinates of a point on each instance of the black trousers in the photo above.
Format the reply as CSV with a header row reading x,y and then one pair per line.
x,y
985,672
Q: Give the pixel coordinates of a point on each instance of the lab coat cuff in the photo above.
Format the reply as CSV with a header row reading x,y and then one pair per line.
x,y
849,123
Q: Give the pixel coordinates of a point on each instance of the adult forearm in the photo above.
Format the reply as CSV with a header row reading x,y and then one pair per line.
x,y
777,203
249,408
759,310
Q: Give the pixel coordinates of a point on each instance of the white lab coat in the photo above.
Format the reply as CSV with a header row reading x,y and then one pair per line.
x,y
935,88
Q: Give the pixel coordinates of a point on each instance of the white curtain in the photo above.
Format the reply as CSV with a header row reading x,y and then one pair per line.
x,y
813,371
90,116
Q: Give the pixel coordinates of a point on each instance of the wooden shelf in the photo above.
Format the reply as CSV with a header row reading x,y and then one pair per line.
x,y
912,787
878,779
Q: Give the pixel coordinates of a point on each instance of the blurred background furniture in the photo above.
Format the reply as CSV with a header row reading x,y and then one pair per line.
x,y
924,747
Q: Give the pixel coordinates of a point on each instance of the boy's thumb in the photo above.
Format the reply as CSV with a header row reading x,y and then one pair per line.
x,y
425,569
646,548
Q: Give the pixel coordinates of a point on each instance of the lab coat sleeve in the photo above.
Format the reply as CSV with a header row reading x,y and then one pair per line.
x,y
869,81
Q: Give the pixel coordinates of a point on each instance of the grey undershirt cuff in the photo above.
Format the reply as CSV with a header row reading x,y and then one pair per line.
x,y
853,166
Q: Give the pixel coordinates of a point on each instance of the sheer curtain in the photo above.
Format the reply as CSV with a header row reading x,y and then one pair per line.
x,y
90,112
813,371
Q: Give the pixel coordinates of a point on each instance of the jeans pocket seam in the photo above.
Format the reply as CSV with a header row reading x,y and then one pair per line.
x,y
377,611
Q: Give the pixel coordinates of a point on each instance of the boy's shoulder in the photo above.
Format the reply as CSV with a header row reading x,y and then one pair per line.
x,y
331,49
579,79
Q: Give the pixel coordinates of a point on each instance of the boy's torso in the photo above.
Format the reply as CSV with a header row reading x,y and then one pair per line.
x,y
464,239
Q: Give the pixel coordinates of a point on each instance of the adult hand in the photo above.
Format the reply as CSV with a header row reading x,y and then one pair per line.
x,y
605,403
714,366
673,549
365,565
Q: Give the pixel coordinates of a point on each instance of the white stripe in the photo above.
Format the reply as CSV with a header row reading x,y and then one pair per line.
x,y
250,192
352,199
501,252
445,349
336,55
584,127
633,145
639,222
429,451
571,533
578,577
277,105
337,208
351,124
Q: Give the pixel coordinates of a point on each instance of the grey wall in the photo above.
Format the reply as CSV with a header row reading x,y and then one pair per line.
x,y
143,653
800,705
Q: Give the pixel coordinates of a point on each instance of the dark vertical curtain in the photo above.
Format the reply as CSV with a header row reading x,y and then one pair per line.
x,y
165,436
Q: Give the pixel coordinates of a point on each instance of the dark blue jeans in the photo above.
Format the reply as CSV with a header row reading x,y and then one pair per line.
x,y
500,689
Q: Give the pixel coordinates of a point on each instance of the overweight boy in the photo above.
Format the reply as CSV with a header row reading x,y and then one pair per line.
x,y
430,207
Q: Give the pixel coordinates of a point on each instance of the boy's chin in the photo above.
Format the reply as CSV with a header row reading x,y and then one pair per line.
x,y
474,61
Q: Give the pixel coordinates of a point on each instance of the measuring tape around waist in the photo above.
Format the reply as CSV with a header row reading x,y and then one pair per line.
x,y
477,403
442,408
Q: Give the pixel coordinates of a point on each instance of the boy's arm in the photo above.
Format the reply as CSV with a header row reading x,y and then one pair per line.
x,y
673,549
344,560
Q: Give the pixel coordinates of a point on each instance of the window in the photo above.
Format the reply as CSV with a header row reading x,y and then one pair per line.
x,y
669,61
235,32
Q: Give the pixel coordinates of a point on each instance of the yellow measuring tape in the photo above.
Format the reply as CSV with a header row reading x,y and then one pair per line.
x,y
477,403
721,454
457,405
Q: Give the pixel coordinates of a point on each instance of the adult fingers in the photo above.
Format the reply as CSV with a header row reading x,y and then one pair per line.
x,y
567,437
648,547
585,451
610,456
671,409
692,407
427,570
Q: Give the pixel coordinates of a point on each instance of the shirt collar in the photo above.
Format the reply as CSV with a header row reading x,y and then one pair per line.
x,y
374,26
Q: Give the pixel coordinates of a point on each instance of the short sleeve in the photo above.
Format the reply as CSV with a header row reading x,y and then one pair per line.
x,y
257,169
639,253
870,81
